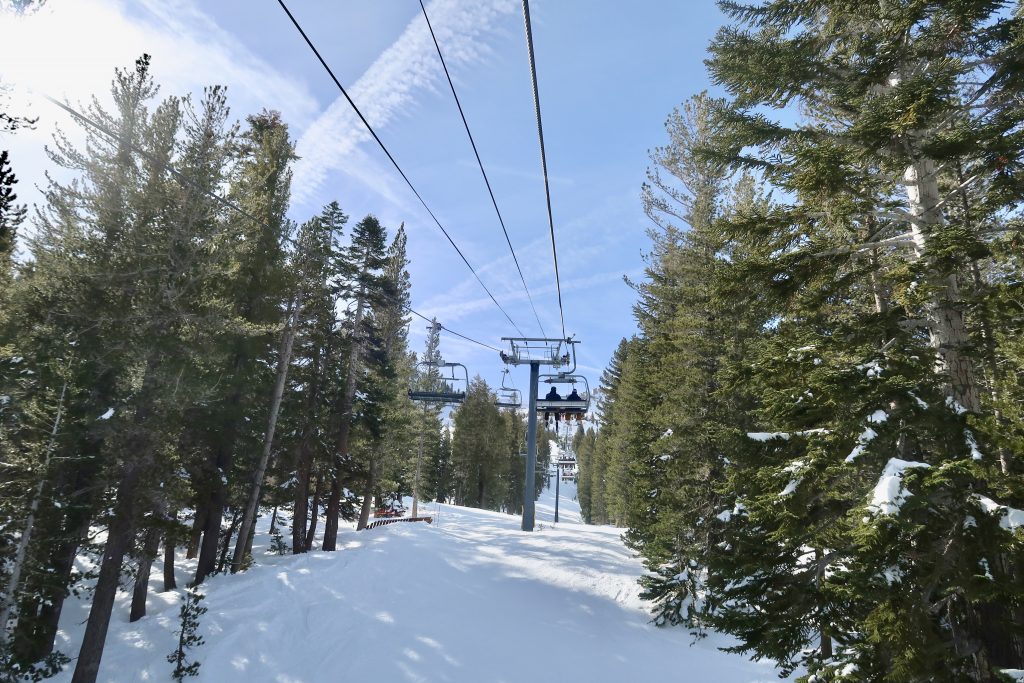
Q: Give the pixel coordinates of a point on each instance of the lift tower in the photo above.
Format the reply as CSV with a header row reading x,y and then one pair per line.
x,y
535,351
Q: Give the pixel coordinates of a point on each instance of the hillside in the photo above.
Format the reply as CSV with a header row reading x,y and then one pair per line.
x,y
470,598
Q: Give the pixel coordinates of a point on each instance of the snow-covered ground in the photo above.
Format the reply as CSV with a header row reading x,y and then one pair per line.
x,y
470,598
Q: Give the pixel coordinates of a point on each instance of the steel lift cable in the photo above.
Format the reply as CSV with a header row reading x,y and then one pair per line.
x,y
543,156
398,168
480,163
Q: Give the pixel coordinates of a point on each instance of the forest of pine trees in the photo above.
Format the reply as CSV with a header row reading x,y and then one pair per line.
x,y
177,357
814,438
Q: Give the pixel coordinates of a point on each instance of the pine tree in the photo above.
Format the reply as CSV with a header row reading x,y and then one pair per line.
x,y
256,290
316,357
478,449
11,216
366,288
595,474
385,406
869,363
188,636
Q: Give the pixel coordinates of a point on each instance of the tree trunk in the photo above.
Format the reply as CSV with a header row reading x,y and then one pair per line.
x,y
220,466
283,361
948,331
301,507
371,481
314,512
120,535
35,634
119,539
198,524
141,591
170,583
226,542
330,541
344,428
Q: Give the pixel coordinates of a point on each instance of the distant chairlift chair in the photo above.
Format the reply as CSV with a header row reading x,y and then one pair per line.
x,y
508,397
449,387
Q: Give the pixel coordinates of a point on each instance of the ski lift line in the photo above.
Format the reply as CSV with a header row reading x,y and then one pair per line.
x,y
221,200
451,331
543,156
480,163
394,163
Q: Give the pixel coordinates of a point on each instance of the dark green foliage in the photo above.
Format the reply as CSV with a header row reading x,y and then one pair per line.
x,y
821,406
188,636
11,216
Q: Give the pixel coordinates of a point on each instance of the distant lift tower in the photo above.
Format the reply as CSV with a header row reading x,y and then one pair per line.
x,y
535,352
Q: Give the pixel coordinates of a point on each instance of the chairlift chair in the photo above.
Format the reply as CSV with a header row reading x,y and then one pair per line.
x,y
508,397
446,388
563,405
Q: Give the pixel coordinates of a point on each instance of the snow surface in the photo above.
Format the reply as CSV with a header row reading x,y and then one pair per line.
x,y
889,494
470,598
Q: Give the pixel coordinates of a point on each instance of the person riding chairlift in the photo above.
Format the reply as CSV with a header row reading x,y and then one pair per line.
x,y
553,395
575,397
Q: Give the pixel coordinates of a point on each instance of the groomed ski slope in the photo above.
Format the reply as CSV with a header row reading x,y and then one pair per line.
x,y
469,599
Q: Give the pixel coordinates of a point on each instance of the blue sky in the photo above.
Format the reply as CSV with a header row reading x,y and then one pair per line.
x,y
609,74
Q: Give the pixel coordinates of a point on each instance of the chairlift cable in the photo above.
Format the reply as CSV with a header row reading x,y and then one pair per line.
x,y
398,168
221,200
543,156
451,331
480,163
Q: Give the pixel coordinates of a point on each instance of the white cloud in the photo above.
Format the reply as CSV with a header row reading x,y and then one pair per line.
x,y
389,88
70,50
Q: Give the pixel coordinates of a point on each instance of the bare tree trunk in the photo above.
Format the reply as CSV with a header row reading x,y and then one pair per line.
x,y
419,459
226,542
371,481
314,512
141,591
301,507
119,538
344,429
283,361
219,466
948,331
170,583
120,534
215,506
198,524
330,541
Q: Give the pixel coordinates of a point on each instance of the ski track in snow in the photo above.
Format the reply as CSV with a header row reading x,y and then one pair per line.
x,y
470,598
